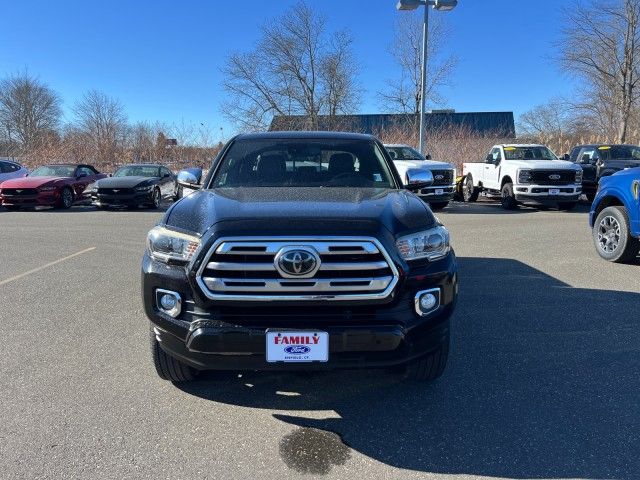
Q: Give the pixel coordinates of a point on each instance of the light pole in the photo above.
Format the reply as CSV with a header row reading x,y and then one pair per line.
x,y
443,6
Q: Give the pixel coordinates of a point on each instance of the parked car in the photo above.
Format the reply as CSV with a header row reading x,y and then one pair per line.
x,y
58,186
10,169
519,173
441,192
615,216
601,160
301,251
135,185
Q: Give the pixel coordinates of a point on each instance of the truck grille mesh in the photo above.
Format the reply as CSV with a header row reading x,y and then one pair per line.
x,y
447,177
543,177
238,269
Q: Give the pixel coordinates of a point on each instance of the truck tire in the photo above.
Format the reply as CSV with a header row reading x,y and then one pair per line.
x,y
567,206
438,205
469,192
167,367
508,199
429,367
612,237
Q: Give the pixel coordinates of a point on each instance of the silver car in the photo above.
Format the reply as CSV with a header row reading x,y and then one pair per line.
x,y
10,169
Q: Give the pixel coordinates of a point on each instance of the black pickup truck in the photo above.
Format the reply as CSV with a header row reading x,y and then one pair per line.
x,y
601,160
300,251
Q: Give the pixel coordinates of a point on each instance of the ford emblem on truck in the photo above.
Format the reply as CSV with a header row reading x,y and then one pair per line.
x,y
555,176
297,262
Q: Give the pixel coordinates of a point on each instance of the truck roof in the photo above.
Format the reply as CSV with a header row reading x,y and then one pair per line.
x,y
523,145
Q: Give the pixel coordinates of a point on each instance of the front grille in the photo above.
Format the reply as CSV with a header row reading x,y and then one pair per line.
x,y
19,192
447,177
542,177
245,269
115,191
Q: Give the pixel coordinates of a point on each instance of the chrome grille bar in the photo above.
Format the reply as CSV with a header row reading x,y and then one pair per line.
x,y
270,267
272,247
284,285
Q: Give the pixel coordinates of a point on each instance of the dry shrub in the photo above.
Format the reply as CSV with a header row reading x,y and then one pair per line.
x,y
453,144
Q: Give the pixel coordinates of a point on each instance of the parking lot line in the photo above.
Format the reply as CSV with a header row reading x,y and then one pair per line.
x,y
46,265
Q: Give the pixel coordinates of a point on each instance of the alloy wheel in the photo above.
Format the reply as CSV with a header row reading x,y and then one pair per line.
x,y
609,234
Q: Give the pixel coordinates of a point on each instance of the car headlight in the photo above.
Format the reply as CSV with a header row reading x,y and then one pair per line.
x,y
48,188
171,246
431,244
144,188
524,176
453,180
578,176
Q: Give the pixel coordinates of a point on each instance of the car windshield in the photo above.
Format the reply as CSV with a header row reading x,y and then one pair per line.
x,y
327,162
619,152
137,171
404,153
54,171
529,153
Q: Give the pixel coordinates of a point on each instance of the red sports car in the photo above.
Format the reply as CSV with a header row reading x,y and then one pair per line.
x,y
57,186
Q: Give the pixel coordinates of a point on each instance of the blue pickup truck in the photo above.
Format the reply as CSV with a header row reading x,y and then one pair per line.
x,y
615,216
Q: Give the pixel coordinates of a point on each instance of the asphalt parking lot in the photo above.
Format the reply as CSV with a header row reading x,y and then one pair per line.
x,y
542,382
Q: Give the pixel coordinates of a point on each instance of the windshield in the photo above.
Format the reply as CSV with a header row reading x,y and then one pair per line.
x,y
303,163
404,153
54,171
529,153
619,152
137,171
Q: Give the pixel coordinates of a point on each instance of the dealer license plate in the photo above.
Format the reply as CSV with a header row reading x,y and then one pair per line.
x,y
439,191
300,346
554,191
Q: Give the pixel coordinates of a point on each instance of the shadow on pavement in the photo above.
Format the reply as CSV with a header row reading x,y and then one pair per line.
x,y
543,381
494,208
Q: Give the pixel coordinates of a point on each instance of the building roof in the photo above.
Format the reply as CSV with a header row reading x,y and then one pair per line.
x,y
490,124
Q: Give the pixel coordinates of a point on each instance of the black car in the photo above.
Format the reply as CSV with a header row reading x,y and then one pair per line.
x,y
301,251
601,160
135,185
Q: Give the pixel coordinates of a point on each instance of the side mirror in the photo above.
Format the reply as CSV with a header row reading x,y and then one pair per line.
x,y
190,178
585,158
417,178
427,156
566,157
489,159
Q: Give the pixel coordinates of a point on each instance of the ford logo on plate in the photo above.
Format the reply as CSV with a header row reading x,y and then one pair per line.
x,y
297,349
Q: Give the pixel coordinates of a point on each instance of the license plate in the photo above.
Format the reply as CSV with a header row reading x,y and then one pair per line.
x,y
297,346
554,191
439,191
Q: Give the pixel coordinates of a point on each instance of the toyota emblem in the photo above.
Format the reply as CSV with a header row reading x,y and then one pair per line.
x,y
297,262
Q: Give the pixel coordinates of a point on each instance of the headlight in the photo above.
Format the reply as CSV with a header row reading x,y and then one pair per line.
x,y
453,180
144,188
524,176
578,176
431,244
49,188
170,246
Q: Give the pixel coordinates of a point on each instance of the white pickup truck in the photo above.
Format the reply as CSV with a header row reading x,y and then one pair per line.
x,y
519,173
441,192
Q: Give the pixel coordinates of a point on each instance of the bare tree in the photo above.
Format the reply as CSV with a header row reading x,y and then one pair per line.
x,y
297,67
601,46
103,123
29,110
403,93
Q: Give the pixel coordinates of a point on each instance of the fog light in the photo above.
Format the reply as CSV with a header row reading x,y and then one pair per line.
x,y
169,302
427,301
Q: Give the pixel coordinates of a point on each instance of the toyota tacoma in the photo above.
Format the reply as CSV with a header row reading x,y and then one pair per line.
x,y
300,251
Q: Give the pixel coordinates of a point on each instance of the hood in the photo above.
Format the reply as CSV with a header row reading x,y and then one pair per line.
x,y
30,182
124,182
301,211
426,164
630,173
621,163
544,164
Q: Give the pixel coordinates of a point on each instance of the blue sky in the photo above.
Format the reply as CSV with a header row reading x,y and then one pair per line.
x,y
162,59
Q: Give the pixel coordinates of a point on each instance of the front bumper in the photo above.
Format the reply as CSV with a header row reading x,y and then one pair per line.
x,y
43,199
207,335
129,200
438,193
540,194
